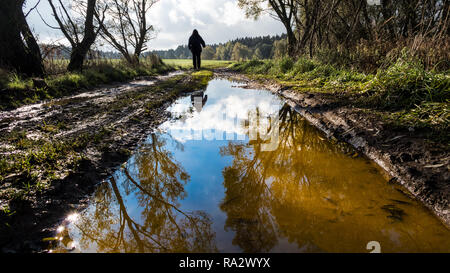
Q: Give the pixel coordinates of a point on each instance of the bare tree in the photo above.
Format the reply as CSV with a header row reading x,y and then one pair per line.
x,y
342,25
127,28
18,47
76,21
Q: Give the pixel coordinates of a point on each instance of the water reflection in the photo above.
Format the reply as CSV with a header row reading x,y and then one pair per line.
x,y
141,213
184,192
199,100
313,193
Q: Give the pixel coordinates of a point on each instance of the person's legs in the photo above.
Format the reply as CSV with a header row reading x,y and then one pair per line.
x,y
199,61
194,59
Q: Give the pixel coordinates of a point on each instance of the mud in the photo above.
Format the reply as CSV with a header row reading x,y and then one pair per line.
x,y
420,166
121,108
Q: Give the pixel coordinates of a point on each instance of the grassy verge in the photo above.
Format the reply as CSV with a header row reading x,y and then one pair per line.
x,y
16,91
404,94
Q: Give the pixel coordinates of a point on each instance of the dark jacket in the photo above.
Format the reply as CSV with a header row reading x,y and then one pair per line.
x,y
196,42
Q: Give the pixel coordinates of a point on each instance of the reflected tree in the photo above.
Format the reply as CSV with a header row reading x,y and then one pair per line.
x,y
156,224
302,191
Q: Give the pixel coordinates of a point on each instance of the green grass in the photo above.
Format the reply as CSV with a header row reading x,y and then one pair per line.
x,y
16,91
404,94
206,64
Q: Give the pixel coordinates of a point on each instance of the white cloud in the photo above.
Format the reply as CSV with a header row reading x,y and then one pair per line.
x,y
218,21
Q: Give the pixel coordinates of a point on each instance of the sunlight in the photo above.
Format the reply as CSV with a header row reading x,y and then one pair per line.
x,y
73,217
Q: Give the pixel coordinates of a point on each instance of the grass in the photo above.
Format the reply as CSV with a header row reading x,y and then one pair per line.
x,y
206,64
404,94
16,91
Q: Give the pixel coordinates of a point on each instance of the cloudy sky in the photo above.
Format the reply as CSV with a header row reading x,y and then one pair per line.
x,y
217,21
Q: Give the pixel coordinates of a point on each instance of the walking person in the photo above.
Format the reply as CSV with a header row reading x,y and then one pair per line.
x,y
196,44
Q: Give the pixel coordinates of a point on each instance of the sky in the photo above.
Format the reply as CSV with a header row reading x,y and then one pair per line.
x,y
217,21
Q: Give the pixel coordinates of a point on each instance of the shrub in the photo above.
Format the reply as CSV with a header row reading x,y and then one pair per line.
x,y
285,65
303,65
406,83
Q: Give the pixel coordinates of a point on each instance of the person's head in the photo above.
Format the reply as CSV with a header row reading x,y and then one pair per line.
x,y
195,32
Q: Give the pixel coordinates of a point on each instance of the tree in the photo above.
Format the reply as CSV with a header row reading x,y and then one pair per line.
x,y
18,47
78,30
266,50
285,11
127,28
279,49
220,53
257,55
158,223
208,53
240,52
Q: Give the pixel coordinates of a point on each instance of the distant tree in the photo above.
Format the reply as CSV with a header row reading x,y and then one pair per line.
x,y
18,47
127,28
224,51
266,50
258,55
220,53
284,10
76,21
208,53
280,49
240,52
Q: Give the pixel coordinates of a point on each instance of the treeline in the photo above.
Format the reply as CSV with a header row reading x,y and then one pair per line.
x,y
248,48
362,33
58,52
122,24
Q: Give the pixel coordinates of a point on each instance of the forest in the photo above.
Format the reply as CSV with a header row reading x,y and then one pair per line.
x,y
240,49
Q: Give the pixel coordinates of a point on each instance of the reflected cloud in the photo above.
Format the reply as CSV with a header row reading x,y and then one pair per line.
x,y
220,120
138,211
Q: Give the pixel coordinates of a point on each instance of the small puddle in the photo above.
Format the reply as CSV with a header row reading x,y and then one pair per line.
x,y
239,170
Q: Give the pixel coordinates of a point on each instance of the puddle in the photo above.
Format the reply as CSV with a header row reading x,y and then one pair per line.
x,y
238,170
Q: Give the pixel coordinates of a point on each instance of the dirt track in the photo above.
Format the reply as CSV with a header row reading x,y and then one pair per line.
x,y
122,115
422,168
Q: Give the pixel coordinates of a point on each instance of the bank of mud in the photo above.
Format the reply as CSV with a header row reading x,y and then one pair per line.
x,y
95,132
420,166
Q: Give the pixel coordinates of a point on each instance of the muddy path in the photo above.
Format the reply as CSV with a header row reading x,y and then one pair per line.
x,y
420,166
68,146
96,131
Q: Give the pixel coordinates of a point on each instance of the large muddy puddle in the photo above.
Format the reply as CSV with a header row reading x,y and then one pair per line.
x,y
239,170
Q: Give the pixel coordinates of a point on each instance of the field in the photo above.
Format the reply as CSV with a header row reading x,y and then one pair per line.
x,y
187,63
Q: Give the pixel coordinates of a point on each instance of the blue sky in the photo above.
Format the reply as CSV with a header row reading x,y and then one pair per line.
x,y
217,21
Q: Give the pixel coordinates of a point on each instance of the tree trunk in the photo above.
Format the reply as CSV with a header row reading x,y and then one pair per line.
x,y
18,47
292,42
79,51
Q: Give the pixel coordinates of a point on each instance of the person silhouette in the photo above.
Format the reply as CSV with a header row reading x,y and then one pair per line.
x,y
195,46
